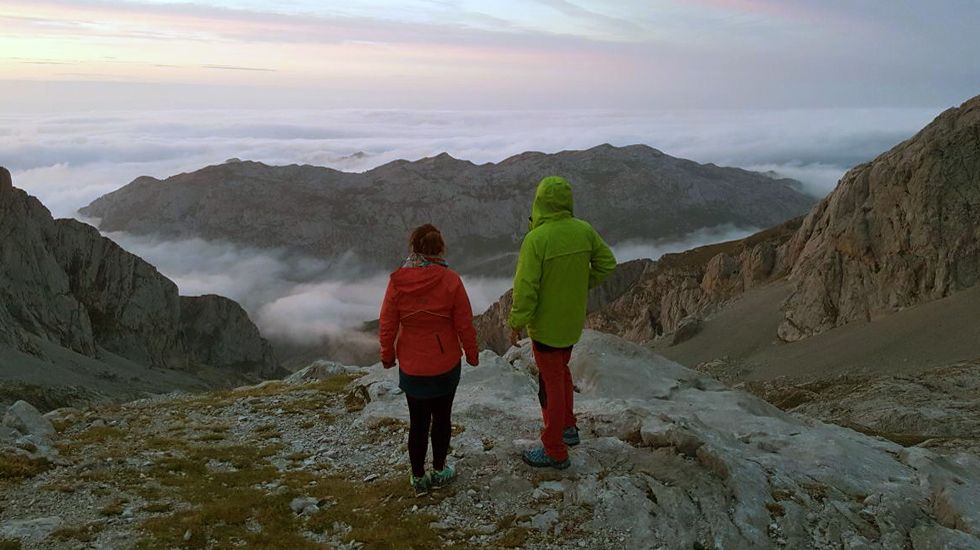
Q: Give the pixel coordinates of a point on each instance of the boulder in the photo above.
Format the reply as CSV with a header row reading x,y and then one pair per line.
x,y
318,370
23,417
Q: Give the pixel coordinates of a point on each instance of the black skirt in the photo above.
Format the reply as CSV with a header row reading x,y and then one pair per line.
x,y
427,387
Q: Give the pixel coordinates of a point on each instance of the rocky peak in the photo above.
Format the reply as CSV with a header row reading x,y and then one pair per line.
x,y
63,283
900,230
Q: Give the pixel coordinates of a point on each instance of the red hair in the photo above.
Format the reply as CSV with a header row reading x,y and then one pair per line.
x,y
427,240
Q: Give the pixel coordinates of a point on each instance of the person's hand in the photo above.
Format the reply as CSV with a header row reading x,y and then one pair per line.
x,y
515,336
387,364
475,362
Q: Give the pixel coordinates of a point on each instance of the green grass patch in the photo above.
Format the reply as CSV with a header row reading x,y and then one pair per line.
x,y
10,544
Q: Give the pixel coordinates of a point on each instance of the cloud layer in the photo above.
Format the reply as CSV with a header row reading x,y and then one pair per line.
x,y
69,160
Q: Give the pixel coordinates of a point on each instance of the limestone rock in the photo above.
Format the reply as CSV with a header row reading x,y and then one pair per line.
x,y
694,284
317,370
24,418
29,530
62,282
216,331
900,230
671,456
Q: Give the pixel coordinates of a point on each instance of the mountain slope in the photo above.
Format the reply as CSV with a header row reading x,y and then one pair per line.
x,y
898,231
628,193
64,285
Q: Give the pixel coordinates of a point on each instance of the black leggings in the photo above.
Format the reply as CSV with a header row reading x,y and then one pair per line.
x,y
436,413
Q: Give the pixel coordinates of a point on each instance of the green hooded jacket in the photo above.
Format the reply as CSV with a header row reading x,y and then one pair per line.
x,y
561,258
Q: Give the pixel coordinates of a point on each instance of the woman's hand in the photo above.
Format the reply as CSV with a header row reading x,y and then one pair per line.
x,y
515,336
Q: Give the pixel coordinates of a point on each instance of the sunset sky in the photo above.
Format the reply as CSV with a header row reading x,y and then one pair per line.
x,y
61,54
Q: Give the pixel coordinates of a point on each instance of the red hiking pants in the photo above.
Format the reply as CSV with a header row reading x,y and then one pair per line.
x,y
556,396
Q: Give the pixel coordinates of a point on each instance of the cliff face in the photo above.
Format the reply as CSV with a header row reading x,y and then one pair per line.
x,y
627,193
217,331
692,284
62,282
898,231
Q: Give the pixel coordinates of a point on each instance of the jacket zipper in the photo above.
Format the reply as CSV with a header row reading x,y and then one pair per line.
x,y
439,340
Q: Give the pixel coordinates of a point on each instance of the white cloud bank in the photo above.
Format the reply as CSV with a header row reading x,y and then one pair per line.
x,y
70,160
636,249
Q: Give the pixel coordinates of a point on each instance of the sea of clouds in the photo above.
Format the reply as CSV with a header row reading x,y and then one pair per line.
x,y
68,160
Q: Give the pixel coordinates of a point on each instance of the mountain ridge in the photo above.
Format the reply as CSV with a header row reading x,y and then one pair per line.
x,y
632,192
67,286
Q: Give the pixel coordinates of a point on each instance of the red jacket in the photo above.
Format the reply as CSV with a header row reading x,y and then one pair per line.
x,y
427,311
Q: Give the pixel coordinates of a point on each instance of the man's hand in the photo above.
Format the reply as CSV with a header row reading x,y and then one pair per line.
x,y
387,364
515,336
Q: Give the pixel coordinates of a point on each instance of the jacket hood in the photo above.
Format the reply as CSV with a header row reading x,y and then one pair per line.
x,y
552,201
417,280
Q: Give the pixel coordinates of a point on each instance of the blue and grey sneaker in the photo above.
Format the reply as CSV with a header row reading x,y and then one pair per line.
x,y
443,477
539,459
422,485
570,436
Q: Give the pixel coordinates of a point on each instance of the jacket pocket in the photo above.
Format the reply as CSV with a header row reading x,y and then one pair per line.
x,y
439,341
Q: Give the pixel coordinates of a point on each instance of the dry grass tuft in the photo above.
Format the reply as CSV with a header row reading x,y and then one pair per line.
x,y
83,533
16,467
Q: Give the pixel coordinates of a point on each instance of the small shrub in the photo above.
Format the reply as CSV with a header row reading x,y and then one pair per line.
x,y
16,467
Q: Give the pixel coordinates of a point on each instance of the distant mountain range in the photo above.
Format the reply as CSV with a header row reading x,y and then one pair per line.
x,y
628,193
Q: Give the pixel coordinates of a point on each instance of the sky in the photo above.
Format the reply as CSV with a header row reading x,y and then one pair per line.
x,y
470,54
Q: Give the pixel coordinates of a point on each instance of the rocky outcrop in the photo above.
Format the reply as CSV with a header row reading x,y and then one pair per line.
x,y
679,288
898,231
671,459
216,331
627,193
25,432
133,310
62,282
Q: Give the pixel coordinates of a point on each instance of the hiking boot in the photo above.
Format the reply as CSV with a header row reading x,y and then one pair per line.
x,y
539,459
422,485
443,477
570,436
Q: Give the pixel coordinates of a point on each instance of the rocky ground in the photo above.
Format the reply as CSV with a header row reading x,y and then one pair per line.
x,y
669,459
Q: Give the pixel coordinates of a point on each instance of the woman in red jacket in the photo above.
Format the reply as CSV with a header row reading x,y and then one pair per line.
x,y
425,319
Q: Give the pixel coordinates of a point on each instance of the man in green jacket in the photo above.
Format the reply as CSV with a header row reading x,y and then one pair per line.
x,y
561,258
